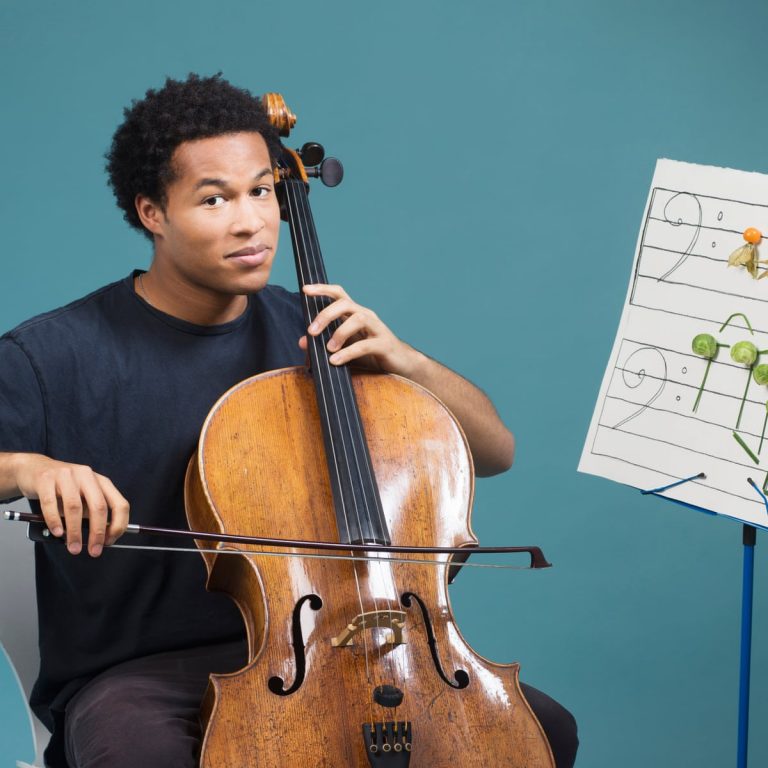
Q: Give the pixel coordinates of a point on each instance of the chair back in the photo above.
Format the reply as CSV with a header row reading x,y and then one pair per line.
x,y
18,637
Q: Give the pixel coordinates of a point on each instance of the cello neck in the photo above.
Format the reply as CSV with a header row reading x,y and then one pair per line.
x,y
359,513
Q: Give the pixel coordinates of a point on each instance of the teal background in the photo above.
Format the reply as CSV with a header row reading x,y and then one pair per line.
x,y
498,156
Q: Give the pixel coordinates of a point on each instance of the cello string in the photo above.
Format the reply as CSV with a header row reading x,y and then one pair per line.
x,y
312,312
312,303
363,466
341,392
300,234
336,377
318,345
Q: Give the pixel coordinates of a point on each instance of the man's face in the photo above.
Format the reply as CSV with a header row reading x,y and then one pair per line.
x,y
221,223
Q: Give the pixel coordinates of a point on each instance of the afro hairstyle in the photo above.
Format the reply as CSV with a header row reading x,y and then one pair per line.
x,y
139,160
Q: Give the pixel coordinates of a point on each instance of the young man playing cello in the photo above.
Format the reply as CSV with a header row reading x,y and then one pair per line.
x,y
101,405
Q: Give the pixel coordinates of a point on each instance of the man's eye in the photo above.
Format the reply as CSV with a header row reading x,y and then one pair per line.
x,y
261,191
214,201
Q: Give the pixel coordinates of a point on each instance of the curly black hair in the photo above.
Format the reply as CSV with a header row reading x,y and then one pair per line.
x,y
139,160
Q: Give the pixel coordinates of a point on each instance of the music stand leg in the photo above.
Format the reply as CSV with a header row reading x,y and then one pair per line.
x,y
749,538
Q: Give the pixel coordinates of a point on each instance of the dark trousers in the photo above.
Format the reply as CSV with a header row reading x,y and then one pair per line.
x,y
145,712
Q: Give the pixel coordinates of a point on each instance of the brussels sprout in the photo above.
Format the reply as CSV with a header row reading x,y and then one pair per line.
x,y
744,352
760,374
704,345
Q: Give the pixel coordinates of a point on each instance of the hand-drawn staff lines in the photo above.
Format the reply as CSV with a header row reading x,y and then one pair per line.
x,y
725,398
648,403
668,408
685,243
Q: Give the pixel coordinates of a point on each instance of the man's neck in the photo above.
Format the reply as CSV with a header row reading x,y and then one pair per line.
x,y
187,302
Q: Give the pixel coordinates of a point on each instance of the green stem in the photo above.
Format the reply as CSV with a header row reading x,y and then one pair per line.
x,y
737,314
703,382
762,436
744,399
746,448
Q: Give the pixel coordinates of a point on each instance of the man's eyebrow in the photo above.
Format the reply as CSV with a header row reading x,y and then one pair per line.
x,y
223,184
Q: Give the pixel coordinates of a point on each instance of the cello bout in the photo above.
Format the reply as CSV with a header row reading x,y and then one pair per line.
x,y
316,716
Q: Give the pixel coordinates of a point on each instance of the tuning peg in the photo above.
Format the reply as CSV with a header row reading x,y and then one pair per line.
x,y
330,172
311,153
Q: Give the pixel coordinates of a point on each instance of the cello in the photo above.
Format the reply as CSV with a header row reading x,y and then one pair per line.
x,y
352,660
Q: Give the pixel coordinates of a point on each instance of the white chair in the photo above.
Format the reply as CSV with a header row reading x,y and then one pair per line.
x,y
17,742
18,615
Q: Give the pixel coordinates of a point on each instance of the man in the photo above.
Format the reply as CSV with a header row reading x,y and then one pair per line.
x,y
101,405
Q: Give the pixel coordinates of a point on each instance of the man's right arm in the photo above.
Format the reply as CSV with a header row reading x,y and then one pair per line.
x,y
68,491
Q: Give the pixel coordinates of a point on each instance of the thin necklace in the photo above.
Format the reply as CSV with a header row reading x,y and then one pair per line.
x,y
143,289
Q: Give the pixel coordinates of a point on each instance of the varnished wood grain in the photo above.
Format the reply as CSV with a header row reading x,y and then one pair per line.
x,y
260,470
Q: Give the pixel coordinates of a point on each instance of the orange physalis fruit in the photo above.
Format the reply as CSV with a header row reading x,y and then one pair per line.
x,y
752,235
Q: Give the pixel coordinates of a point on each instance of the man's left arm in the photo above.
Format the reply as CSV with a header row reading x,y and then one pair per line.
x,y
363,338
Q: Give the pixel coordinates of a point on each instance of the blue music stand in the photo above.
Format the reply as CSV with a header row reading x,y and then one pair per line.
x,y
749,537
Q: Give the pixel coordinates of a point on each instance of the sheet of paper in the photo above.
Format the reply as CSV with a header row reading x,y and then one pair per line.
x,y
644,430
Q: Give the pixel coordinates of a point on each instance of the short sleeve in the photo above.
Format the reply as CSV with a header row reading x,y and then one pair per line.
x,y
22,410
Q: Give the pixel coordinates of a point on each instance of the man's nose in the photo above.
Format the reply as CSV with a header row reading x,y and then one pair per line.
x,y
248,217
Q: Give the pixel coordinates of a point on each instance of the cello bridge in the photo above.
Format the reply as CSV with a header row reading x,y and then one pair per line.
x,y
392,620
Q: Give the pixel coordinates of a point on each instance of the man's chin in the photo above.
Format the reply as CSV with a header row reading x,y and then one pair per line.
x,y
250,284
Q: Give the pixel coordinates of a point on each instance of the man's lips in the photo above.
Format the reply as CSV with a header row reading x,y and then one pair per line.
x,y
252,256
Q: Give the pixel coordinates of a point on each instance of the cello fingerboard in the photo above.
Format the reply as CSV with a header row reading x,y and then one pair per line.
x,y
359,511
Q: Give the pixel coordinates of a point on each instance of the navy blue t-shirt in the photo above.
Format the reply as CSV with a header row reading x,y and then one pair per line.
x,y
110,382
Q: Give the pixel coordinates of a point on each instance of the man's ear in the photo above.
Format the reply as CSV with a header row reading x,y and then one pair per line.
x,y
150,213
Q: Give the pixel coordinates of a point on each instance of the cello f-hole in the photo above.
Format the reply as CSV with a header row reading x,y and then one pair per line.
x,y
277,684
460,675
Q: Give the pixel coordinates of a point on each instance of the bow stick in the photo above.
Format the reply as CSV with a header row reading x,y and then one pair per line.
x,y
537,556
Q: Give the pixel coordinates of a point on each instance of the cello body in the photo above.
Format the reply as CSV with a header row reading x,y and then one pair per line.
x,y
323,633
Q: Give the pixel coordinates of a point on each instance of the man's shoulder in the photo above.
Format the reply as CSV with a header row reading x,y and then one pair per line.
x,y
70,323
74,311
